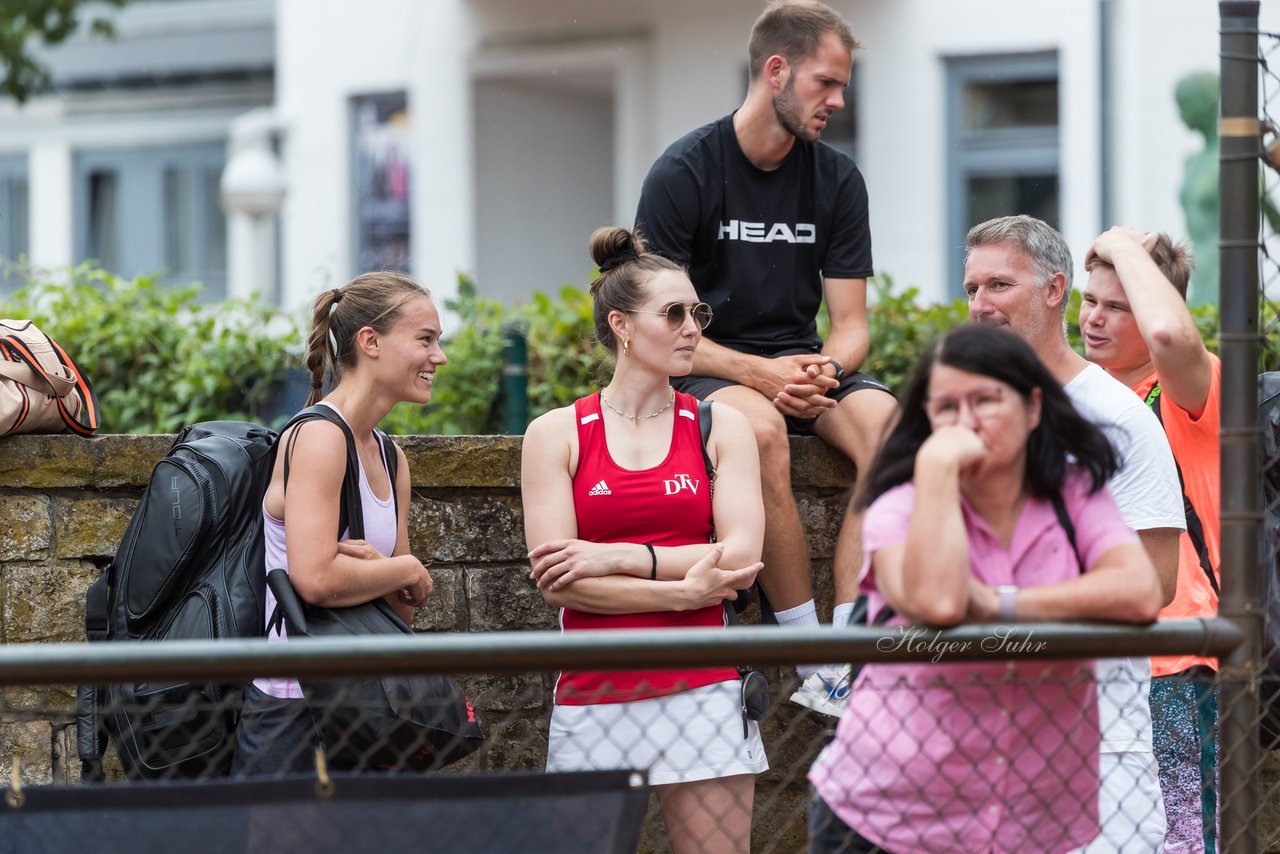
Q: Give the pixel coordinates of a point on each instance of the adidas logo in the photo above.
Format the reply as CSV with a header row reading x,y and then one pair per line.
x,y
601,488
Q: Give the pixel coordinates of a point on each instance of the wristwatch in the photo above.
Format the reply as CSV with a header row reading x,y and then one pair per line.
x,y
839,370
1008,594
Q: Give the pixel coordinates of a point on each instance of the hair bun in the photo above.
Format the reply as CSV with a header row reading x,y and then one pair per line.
x,y
613,245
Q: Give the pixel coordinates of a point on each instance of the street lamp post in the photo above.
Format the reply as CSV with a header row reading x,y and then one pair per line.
x,y
252,190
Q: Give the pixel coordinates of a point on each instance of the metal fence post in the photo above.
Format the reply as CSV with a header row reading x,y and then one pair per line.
x,y
1240,139
515,379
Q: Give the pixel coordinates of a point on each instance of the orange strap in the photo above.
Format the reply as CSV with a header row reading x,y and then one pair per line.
x,y
16,350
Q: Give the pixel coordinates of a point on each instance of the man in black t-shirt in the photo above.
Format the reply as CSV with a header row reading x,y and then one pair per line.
x,y
770,222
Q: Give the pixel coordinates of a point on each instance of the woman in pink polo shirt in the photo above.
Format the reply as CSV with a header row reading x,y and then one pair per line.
x,y
987,504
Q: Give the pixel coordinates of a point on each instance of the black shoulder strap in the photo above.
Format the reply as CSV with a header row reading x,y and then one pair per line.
x,y
704,425
1195,528
1064,519
351,508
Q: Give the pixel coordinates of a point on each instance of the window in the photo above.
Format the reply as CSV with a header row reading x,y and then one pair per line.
x,y
1003,158
14,220
154,211
381,172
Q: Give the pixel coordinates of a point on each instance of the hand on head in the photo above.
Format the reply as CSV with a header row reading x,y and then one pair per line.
x,y
1117,239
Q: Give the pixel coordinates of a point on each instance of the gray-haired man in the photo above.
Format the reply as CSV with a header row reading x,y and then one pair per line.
x,y
1018,273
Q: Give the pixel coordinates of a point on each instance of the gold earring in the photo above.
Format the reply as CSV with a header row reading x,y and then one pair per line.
x,y
626,346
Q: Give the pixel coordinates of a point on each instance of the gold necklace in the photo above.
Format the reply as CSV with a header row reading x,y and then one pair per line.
x,y
636,418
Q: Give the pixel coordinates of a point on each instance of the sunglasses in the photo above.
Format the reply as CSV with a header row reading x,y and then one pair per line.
x,y
675,313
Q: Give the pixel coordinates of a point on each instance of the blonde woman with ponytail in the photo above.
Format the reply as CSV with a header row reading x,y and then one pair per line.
x,y
375,342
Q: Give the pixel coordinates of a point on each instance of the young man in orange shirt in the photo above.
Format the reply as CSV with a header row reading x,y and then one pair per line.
x,y
1135,324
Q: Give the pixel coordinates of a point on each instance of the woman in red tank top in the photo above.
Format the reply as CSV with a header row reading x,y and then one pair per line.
x,y
619,519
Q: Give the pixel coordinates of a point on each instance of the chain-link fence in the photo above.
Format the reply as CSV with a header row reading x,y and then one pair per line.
x,y
946,746
975,739
1250,339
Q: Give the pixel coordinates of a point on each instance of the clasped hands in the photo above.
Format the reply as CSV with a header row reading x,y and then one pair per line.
x,y
798,384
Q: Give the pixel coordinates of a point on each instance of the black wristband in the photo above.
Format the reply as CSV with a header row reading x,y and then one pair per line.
x,y
839,370
653,556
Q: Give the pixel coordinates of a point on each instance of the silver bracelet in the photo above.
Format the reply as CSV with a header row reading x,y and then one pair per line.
x,y
1008,594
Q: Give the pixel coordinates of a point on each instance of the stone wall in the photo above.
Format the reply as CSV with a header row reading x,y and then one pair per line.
x,y
65,502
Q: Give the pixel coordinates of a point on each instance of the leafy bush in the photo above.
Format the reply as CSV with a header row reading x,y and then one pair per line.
x,y
160,360
900,329
563,362
157,358
464,398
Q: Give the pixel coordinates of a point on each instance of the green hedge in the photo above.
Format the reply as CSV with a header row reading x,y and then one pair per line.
x,y
157,357
160,359
563,362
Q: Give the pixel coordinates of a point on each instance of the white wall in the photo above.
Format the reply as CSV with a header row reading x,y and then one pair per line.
x,y
685,69
689,67
532,221
331,50
50,209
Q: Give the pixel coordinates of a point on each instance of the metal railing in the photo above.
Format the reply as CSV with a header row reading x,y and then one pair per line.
x,y
510,677
515,652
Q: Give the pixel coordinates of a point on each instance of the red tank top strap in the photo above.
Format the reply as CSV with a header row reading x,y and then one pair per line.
x,y
588,416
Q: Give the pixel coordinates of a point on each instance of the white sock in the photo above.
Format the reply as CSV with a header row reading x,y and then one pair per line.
x,y
800,615
840,614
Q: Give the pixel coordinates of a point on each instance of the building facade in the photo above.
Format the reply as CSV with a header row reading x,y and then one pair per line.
x,y
489,137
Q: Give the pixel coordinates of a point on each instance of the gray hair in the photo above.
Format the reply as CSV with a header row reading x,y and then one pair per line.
x,y
1042,243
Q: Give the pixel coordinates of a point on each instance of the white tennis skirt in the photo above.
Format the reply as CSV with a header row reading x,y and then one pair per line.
x,y
680,738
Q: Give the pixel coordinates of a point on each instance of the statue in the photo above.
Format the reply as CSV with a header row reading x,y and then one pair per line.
x,y
1197,96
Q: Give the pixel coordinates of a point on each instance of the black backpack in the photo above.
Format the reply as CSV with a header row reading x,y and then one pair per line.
x,y
190,566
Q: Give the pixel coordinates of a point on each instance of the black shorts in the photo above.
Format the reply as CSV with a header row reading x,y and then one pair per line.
x,y
702,387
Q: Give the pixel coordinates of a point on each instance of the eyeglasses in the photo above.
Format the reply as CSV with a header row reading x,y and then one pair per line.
x,y
675,313
984,403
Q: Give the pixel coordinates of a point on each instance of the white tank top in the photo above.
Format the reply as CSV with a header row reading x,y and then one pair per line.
x,y
380,528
